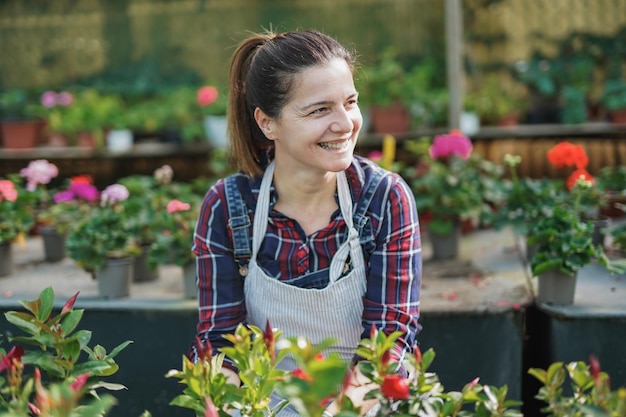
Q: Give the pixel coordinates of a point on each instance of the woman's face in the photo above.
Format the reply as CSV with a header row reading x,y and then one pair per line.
x,y
318,128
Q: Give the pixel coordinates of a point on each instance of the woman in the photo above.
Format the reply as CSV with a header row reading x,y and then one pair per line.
x,y
319,241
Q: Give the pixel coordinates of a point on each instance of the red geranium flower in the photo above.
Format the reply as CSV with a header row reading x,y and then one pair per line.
x,y
566,154
395,387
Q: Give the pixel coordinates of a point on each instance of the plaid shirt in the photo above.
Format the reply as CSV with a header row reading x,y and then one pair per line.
x,y
393,258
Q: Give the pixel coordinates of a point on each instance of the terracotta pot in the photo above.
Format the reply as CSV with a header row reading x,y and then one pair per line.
x,y
617,116
392,119
20,134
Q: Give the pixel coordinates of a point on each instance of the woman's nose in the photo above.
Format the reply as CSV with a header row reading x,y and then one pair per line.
x,y
345,121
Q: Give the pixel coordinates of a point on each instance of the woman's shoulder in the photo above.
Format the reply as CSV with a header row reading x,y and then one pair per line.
x,y
365,173
238,185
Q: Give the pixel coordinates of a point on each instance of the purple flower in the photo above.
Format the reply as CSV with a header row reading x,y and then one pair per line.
x,y
114,194
49,99
454,143
65,99
38,172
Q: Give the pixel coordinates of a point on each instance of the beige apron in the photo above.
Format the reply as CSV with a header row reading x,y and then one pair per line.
x,y
317,314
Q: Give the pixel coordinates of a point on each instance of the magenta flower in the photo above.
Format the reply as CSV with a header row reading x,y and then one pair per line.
x,y
375,156
84,191
77,191
38,172
454,143
207,95
114,194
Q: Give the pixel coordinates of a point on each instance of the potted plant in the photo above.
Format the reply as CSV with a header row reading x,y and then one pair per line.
x,y
612,181
16,218
565,245
102,243
448,190
496,102
19,125
386,92
148,199
86,119
614,99
59,217
174,237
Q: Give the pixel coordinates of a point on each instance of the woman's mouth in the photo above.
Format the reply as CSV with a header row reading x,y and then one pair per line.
x,y
335,146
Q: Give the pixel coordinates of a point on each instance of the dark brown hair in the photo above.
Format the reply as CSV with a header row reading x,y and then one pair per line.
x,y
262,73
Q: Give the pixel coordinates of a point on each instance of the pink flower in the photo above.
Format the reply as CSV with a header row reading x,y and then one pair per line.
x,y
375,156
7,190
207,95
79,382
65,99
49,99
454,143
114,194
38,172
177,205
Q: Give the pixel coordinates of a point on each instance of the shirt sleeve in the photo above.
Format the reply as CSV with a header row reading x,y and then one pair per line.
x,y
392,300
220,286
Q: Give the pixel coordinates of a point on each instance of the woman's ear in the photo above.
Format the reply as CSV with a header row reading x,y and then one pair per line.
x,y
265,123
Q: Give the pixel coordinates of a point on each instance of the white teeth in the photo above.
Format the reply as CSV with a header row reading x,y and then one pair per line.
x,y
334,146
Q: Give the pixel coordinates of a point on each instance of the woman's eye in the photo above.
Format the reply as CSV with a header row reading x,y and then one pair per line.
x,y
319,110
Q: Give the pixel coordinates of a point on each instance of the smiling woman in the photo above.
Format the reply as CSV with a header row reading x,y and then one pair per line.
x,y
333,247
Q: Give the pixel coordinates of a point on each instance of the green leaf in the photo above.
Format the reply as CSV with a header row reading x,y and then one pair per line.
x,y
45,362
118,349
97,368
47,302
71,320
22,320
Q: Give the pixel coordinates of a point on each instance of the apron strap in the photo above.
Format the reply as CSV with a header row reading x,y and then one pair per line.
x,y
239,223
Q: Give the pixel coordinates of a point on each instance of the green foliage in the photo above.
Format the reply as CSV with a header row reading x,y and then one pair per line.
x,y
423,393
591,393
612,178
525,201
454,189
16,217
105,232
385,82
494,99
614,94
17,104
62,352
564,243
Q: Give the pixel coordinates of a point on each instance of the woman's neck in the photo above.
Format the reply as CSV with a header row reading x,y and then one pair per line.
x,y
307,199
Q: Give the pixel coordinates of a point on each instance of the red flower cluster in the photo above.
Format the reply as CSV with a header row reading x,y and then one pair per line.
x,y
566,154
